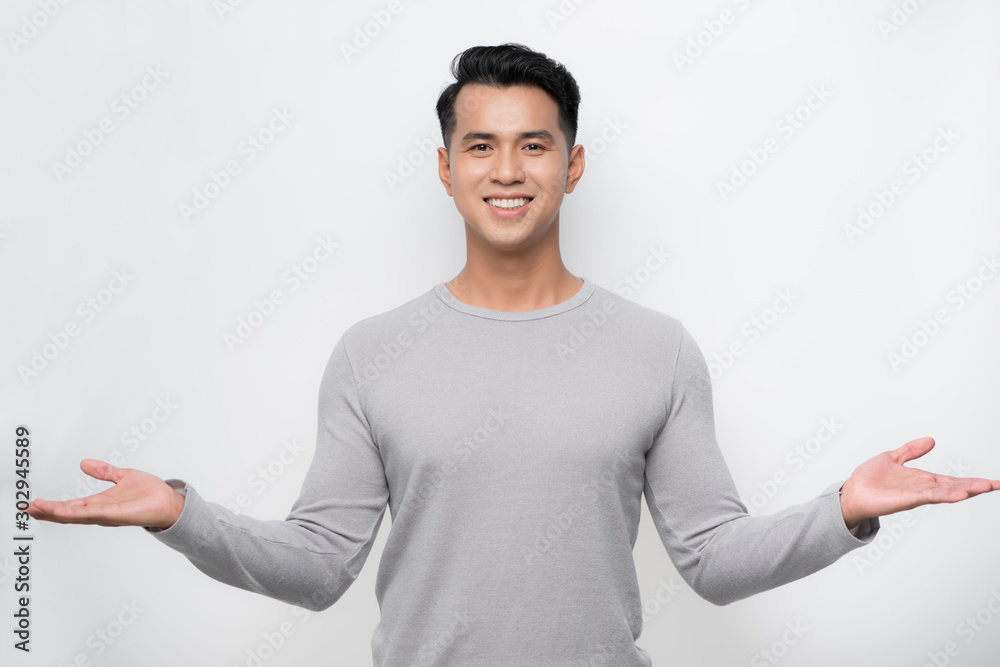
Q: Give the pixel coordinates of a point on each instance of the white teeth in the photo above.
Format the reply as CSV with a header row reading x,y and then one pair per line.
x,y
508,203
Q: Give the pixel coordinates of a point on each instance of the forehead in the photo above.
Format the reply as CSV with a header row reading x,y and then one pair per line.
x,y
478,106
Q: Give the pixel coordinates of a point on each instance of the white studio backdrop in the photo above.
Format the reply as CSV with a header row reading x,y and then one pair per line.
x,y
813,183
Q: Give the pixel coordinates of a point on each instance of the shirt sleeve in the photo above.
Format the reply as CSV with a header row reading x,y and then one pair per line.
x,y
310,558
722,552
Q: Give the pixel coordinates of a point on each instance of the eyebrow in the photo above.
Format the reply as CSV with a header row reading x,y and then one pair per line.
x,y
489,136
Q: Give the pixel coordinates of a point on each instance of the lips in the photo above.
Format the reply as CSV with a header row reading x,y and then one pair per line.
x,y
503,207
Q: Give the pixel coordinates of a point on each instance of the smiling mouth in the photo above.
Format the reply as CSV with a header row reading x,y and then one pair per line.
x,y
508,204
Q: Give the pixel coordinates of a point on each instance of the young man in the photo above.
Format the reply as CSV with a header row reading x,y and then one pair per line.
x,y
512,419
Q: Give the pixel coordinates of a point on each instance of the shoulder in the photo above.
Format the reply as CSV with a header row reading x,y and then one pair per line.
x,y
395,315
394,325
642,320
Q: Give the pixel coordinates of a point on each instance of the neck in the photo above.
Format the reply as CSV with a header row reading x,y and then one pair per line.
x,y
514,281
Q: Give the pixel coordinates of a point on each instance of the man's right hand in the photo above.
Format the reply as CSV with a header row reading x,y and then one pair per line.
x,y
136,499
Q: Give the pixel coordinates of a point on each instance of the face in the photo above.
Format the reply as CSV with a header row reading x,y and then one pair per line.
x,y
507,146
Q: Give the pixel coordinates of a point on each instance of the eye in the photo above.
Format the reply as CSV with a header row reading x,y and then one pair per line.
x,y
539,146
478,145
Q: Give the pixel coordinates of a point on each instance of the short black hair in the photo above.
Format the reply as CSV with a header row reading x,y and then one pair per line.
x,y
508,65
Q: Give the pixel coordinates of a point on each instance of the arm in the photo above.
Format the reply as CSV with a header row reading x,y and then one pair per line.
x,y
723,552
718,548
308,559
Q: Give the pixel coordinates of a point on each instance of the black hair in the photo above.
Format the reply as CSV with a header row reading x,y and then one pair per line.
x,y
510,65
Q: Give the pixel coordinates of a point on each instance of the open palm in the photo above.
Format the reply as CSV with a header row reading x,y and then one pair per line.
x,y
883,485
137,499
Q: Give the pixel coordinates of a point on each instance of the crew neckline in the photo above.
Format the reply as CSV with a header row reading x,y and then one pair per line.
x,y
450,300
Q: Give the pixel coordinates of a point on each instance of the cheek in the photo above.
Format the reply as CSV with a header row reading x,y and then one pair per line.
x,y
552,177
555,183
466,177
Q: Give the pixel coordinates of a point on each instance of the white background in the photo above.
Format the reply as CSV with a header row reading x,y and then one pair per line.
x,y
893,81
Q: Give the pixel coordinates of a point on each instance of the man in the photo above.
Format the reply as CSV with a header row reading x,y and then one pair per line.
x,y
511,419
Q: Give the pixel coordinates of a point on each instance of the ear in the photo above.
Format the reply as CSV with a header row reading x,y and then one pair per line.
x,y
575,168
444,170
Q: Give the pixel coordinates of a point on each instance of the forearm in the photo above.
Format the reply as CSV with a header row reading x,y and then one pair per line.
x,y
743,555
294,560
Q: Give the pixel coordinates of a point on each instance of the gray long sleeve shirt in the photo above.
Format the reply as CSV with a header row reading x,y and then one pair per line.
x,y
512,450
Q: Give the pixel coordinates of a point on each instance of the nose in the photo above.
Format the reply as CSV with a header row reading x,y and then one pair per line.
x,y
507,166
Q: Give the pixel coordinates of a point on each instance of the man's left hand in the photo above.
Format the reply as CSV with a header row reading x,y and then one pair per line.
x,y
883,485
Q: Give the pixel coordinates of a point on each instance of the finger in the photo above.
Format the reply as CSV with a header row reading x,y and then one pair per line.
x,y
988,484
39,511
101,470
39,506
954,489
45,511
914,449
77,511
976,486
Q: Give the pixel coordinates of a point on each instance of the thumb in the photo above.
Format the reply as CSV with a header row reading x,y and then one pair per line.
x,y
914,449
101,470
